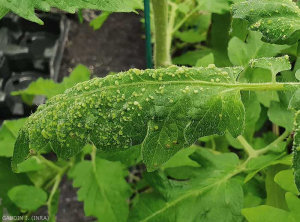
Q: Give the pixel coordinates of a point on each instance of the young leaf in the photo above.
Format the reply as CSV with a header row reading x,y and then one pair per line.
x,y
49,88
277,20
195,199
28,197
191,57
275,65
267,213
26,8
165,110
8,136
102,188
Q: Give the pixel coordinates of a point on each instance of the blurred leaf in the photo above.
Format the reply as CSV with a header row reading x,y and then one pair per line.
x,y
49,88
271,214
220,39
8,136
8,180
285,179
240,53
129,157
205,61
27,197
31,164
279,114
191,36
191,57
98,22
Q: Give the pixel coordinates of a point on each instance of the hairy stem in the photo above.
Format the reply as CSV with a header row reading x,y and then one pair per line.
x,y
162,57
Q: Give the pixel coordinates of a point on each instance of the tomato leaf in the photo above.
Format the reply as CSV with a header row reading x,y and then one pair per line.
x,y
26,8
277,20
165,110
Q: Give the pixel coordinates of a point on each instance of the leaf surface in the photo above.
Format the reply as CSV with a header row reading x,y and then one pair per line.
x,y
8,136
26,8
48,88
277,20
266,213
28,197
210,196
103,189
165,110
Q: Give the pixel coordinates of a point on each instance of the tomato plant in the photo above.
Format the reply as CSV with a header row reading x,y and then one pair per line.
x,y
219,143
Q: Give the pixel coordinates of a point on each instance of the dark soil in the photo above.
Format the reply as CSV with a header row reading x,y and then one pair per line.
x,y
118,46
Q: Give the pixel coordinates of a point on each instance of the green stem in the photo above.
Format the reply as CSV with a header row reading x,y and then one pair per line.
x,y
162,57
274,143
248,148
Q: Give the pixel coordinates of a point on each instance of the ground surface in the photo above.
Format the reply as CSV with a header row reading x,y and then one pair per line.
x,y
117,46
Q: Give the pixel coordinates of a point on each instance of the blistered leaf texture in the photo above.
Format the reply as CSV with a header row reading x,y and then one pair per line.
x,y
295,104
164,110
277,20
26,8
275,65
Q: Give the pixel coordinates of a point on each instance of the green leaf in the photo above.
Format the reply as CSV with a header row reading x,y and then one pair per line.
x,y
102,188
279,113
271,214
28,197
129,157
8,180
220,39
205,61
49,88
191,36
297,74
285,179
26,8
240,53
165,110
215,6
8,136
32,164
191,57
262,162
99,21
195,199
277,20
275,65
